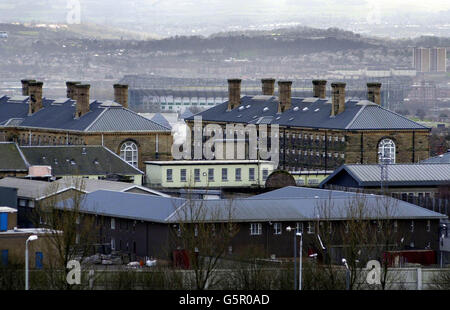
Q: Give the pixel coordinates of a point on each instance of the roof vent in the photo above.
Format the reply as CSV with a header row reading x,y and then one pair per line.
x,y
291,119
305,109
72,162
316,110
247,106
239,116
96,162
266,109
278,117
296,108
241,108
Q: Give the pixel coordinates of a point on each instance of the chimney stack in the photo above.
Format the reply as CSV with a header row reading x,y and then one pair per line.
x,y
35,93
284,95
338,98
234,93
268,87
25,86
374,92
71,89
121,94
82,99
319,88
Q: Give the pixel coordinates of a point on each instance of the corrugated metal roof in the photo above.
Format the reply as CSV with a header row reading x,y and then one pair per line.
x,y
297,191
397,174
120,119
127,205
27,188
300,209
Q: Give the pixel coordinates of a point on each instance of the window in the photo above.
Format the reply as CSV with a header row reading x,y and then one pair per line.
x,y
169,175
277,228
346,227
330,227
395,226
113,244
310,227
428,226
411,227
211,174
265,174
224,174
196,230
129,153
251,174
299,227
183,175
238,174
113,223
5,257
386,151
255,229
39,260
196,175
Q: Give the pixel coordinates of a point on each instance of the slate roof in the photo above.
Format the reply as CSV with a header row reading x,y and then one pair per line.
x,y
298,191
127,205
59,114
309,113
160,119
12,158
440,159
397,174
78,160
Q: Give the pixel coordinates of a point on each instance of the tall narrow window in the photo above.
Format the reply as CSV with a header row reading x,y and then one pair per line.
x,y
238,174
183,175
129,153
251,174
265,174
224,174
211,174
386,152
196,175
169,175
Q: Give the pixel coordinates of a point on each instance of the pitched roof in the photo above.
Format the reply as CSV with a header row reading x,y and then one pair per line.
x,y
397,174
35,189
12,158
78,160
127,205
59,114
298,191
440,159
300,209
160,119
309,113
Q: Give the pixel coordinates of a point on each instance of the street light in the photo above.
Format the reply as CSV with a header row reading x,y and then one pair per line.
x,y
442,228
30,238
297,233
347,275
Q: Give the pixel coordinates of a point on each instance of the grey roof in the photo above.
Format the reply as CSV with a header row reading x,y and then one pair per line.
x,y
26,188
34,189
298,191
397,174
160,119
300,209
127,205
78,160
12,158
309,113
440,159
59,114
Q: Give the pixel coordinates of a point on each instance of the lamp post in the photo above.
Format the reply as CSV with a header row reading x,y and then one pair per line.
x,y
347,275
297,233
30,238
442,228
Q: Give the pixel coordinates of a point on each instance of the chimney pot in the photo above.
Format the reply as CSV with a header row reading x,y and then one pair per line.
x,y
35,93
319,88
82,99
234,93
268,86
338,98
374,92
284,95
121,94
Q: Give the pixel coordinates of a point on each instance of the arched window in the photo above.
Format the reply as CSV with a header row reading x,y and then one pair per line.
x,y
386,152
129,153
